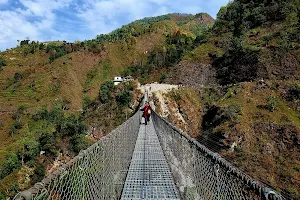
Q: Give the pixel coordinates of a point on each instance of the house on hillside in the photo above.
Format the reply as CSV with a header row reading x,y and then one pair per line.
x,y
120,79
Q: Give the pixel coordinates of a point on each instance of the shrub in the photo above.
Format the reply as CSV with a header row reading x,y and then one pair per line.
x,y
175,96
2,196
11,163
130,86
86,102
56,51
163,77
271,103
31,150
15,126
123,98
232,112
2,62
71,125
79,142
41,114
48,143
294,93
17,77
24,42
55,115
105,91
39,174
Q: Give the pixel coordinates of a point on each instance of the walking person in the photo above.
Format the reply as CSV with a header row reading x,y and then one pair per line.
x,y
147,112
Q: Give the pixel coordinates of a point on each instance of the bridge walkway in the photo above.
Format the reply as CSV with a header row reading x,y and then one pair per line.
x,y
149,176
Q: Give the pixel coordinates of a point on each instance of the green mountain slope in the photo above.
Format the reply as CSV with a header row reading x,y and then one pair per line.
x,y
52,93
250,114
253,44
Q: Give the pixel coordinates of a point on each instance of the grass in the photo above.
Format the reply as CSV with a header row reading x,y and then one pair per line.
x,y
68,78
203,53
261,150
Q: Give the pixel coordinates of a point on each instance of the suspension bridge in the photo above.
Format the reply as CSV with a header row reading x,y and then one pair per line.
x,y
154,161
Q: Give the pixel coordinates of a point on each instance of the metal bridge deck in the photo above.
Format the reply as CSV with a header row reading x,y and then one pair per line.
x,y
149,176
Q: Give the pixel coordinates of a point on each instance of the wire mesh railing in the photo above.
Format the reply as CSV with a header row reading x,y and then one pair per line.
x,y
202,174
98,172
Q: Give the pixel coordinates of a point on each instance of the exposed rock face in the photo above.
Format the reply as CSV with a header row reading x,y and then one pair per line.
x,y
193,74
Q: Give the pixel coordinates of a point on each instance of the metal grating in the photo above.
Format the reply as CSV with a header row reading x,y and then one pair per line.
x,y
149,176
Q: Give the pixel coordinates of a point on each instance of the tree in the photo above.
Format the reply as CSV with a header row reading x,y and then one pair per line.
x,y
31,150
48,143
17,77
11,163
105,91
24,42
79,142
39,174
123,98
2,62
71,125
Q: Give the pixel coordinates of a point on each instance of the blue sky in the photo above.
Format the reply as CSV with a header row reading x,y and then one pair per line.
x,y
71,20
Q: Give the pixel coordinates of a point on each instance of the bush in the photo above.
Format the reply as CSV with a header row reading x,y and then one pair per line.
x,y
55,115
24,42
39,174
163,77
31,150
15,126
11,163
70,126
56,51
79,142
41,114
294,93
2,196
17,77
86,102
48,143
232,112
2,62
271,103
105,91
123,98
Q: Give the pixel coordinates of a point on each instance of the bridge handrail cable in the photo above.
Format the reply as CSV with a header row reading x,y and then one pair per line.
x,y
98,172
169,142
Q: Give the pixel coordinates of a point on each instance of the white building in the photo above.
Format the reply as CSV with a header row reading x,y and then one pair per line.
x,y
118,80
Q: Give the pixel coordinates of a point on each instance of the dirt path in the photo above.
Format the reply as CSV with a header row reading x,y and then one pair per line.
x,y
158,90
154,87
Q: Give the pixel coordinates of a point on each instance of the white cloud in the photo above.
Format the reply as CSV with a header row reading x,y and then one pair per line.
x,y
103,16
35,20
3,1
84,19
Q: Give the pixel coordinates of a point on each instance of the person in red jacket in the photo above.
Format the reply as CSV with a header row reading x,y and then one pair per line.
x,y
147,112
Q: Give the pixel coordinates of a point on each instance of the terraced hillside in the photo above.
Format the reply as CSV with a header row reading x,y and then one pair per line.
x,y
242,101
55,96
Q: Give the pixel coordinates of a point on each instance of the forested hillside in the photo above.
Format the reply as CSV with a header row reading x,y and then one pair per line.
x,y
248,61
57,97
248,109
